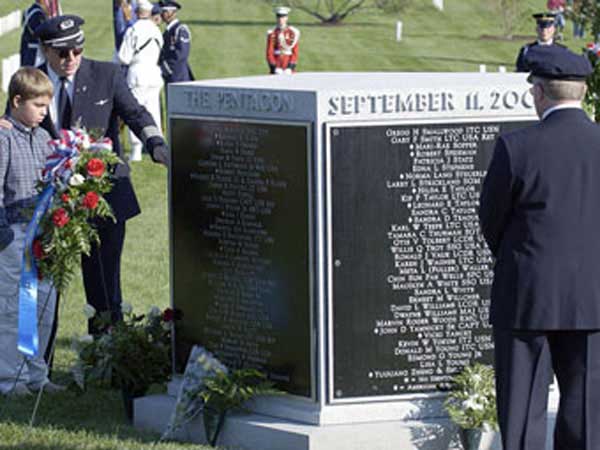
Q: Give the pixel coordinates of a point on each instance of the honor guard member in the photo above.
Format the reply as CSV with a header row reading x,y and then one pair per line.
x,y
176,47
540,216
282,44
140,51
156,14
34,16
124,16
94,95
545,29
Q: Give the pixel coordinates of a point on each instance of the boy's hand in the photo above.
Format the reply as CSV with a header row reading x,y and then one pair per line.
x,y
5,123
6,237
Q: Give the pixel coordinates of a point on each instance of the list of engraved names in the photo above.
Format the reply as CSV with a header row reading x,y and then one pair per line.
x,y
442,265
411,273
242,185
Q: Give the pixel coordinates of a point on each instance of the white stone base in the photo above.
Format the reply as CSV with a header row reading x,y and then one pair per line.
x,y
260,432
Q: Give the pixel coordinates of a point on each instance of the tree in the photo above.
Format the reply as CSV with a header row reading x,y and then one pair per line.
x,y
335,11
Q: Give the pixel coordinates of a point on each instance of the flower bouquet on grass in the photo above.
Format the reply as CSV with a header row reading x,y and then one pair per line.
x,y
132,354
472,404
76,177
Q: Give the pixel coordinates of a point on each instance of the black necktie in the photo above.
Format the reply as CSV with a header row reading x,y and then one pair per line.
x,y
64,104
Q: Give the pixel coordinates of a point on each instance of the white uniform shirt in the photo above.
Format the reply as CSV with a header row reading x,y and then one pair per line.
x,y
140,51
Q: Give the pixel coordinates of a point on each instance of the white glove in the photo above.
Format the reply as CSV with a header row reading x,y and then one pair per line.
x,y
278,71
287,71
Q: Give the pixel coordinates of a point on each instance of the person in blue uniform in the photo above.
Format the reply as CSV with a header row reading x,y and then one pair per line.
x,y
545,30
540,216
34,16
176,47
124,16
94,95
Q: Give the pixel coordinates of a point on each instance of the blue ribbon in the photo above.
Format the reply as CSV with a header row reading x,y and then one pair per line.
x,y
55,174
28,340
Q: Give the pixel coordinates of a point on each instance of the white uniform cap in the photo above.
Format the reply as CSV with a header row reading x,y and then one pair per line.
x,y
282,11
144,5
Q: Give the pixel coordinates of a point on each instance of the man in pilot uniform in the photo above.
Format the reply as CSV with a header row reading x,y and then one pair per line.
x,y
176,48
140,51
540,216
282,44
93,95
545,29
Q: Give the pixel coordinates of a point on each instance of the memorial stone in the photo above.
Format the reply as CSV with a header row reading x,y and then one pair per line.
x,y
324,230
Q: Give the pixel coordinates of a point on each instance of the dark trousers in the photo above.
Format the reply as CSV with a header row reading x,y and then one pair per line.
x,y
523,360
102,272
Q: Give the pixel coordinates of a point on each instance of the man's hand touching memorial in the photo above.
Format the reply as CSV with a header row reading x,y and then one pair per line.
x,y
158,149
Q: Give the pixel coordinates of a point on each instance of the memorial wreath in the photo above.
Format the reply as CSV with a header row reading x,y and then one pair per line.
x,y
72,189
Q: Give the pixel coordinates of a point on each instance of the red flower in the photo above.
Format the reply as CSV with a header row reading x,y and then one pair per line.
x,y
95,167
68,164
60,217
168,315
90,201
38,250
65,198
590,45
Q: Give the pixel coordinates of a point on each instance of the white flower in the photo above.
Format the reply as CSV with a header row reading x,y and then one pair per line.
x,y
76,180
85,141
477,378
86,339
126,308
89,311
473,403
154,312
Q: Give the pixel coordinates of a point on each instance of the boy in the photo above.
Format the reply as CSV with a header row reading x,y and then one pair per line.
x,y
23,152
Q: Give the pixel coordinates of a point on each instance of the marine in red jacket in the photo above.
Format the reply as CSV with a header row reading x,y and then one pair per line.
x,y
282,44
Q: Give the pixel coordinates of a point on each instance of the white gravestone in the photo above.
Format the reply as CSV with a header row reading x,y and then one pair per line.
x,y
439,4
9,66
399,31
324,229
10,22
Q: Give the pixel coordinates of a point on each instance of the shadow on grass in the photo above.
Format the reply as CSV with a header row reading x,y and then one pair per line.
x,y
462,60
441,36
271,24
31,446
96,411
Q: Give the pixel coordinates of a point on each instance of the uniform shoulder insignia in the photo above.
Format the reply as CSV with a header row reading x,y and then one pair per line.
x,y
183,33
269,31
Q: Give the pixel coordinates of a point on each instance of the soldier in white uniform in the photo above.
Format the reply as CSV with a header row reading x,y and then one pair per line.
x,y
140,51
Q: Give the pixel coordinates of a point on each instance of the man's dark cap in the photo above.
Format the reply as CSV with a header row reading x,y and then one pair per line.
x,y
169,5
155,9
557,63
545,19
61,32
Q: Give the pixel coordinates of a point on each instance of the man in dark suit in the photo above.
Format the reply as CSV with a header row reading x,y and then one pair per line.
x,y
540,216
176,45
545,30
93,95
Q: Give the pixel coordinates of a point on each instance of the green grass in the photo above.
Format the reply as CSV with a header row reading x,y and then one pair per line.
x,y
229,40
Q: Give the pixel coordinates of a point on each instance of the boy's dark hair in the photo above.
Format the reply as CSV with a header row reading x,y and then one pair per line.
x,y
28,83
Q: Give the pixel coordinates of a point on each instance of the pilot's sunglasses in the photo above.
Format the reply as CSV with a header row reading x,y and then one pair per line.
x,y
64,53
